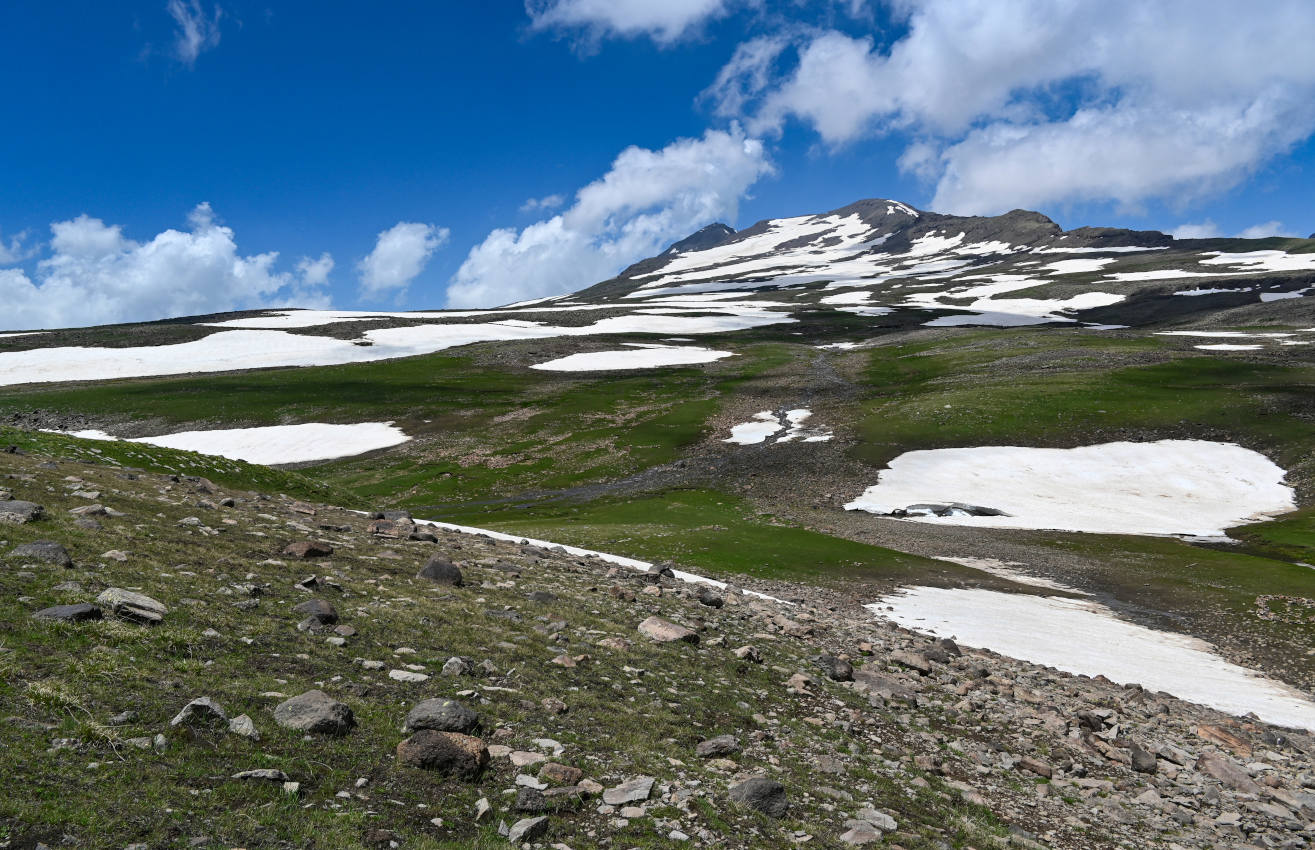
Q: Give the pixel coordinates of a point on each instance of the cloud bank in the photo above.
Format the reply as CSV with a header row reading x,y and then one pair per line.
x,y
95,275
647,200
1033,102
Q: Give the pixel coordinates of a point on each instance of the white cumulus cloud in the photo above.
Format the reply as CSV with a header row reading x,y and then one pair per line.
x,y
400,253
96,275
1011,103
645,201
547,202
665,22
315,272
1209,230
195,30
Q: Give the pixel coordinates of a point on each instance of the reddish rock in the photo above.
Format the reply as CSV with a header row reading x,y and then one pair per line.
x,y
444,752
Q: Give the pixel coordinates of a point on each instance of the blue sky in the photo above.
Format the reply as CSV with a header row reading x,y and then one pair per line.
x,y
312,129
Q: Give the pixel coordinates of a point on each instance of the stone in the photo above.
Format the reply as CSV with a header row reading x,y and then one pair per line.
x,y
308,549
763,795
749,653
912,660
720,746
836,669
319,610
407,676
315,712
880,820
265,773
711,598
560,774
631,791
528,829
541,596
441,571
1143,761
1035,765
18,512
664,631
69,613
525,758
441,715
1232,775
445,752
457,666
129,605
860,833
243,726
46,551
202,711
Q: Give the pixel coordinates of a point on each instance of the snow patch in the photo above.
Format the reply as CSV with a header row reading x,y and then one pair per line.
x,y
645,357
1083,637
1171,487
275,444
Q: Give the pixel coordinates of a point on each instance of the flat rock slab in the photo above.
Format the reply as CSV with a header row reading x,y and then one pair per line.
x,y
445,752
763,795
70,613
264,773
441,715
527,829
46,551
315,712
308,549
631,791
665,631
17,511
130,605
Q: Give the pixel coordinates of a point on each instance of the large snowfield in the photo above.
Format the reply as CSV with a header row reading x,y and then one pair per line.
x,y
638,357
277,444
1170,487
1081,636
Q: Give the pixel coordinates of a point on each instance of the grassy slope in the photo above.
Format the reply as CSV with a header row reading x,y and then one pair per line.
x,y
105,793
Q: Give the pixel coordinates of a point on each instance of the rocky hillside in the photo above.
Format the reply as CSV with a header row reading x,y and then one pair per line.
x,y
189,665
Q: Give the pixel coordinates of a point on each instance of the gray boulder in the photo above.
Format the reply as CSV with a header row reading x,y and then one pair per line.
x,y
46,551
763,795
528,829
315,712
69,613
129,605
17,511
441,715
202,711
722,745
441,571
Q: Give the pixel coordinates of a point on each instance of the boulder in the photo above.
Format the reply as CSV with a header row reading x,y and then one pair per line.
x,y
1143,761
69,613
440,570
718,747
46,551
445,752
711,598
763,795
316,712
912,660
202,711
17,511
308,549
1232,775
836,669
129,605
528,829
319,610
560,774
441,715
631,791
664,631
